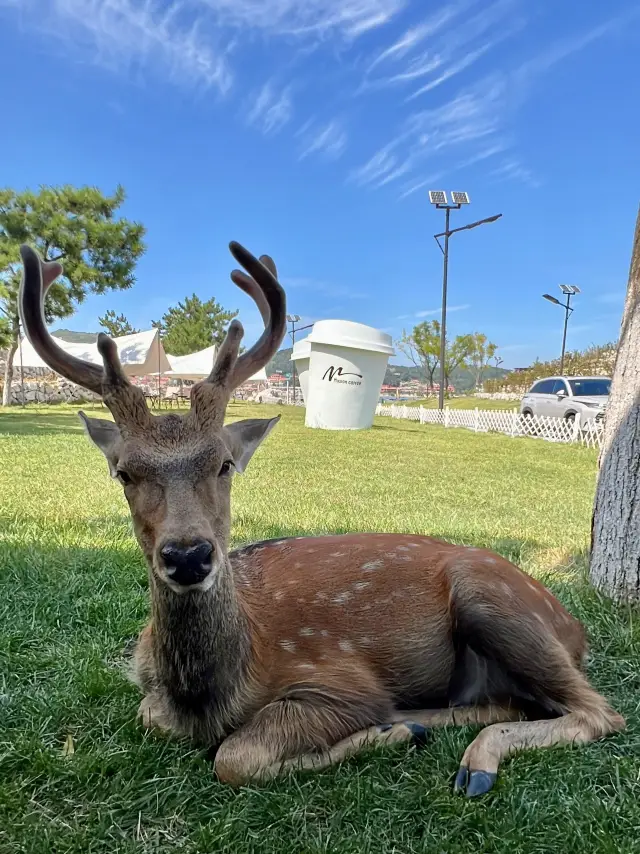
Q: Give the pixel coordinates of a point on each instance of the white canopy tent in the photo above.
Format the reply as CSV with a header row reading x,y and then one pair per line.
x,y
196,366
140,354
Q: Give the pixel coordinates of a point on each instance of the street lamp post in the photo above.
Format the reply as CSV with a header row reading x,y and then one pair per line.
x,y
293,319
438,198
569,291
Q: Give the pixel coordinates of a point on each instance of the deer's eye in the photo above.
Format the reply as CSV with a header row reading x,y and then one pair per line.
x,y
225,468
123,477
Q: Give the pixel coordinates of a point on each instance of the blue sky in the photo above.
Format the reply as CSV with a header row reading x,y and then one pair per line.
x,y
312,130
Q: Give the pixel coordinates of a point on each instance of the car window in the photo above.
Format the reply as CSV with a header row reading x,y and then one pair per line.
x,y
543,387
560,385
586,388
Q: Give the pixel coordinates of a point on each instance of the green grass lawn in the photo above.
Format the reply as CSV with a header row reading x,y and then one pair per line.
x,y
73,594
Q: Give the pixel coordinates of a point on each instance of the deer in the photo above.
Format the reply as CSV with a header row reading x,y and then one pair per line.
x,y
294,654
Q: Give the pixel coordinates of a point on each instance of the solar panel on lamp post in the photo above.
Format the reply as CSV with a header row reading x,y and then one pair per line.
x,y
438,199
568,291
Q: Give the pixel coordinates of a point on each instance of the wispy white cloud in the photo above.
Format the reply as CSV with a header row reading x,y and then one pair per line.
x,y
444,45
432,312
511,169
564,48
124,33
191,40
348,18
416,35
452,130
328,139
475,124
270,109
454,68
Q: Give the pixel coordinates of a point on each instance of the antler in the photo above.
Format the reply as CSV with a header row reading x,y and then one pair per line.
x,y
210,397
251,287
125,400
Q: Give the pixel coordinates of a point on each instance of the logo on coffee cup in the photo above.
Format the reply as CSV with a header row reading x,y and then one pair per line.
x,y
332,374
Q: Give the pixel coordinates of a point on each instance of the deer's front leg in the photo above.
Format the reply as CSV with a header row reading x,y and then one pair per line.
x,y
308,729
153,715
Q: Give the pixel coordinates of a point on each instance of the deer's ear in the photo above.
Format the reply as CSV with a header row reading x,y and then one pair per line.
x,y
106,436
243,437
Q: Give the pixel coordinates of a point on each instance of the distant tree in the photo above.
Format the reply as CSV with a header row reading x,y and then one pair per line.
x,y
482,351
594,361
457,352
193,325
116,325
5,332
615,528
73,225
422,347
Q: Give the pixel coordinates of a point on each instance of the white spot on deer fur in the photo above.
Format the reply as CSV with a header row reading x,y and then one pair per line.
x,y
297,566
304,665
279,594
306,632
341,598
300,601
360,585
413,545
292,581
550,605
345,645
337,554
403,548
324,633
540,619
320,596
365,641
288,645
372,565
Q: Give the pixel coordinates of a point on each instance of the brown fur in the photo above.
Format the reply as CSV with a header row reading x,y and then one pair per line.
x,y
353,629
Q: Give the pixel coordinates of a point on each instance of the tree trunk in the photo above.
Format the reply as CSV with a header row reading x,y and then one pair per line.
x,y
8,371
615,528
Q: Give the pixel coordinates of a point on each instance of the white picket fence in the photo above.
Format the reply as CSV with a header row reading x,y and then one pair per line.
x,y
511,423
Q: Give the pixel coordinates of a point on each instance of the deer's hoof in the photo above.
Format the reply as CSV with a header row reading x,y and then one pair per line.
x,y
474,783
420,733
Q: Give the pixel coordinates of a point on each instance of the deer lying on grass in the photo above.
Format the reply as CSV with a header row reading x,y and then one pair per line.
x,y
296,653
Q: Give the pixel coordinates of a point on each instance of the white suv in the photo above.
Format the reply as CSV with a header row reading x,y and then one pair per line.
x,y
565,397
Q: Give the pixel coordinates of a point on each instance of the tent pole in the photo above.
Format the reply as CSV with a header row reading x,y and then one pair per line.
x,y
158,334
24,402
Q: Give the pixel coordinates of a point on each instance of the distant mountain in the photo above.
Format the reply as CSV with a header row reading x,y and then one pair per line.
x,y
462,379
75,337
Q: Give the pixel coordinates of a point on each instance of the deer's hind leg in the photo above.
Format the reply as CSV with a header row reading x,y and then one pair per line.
x,y
540,666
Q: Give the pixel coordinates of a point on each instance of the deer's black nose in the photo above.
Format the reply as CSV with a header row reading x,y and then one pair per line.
x,y
187,564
